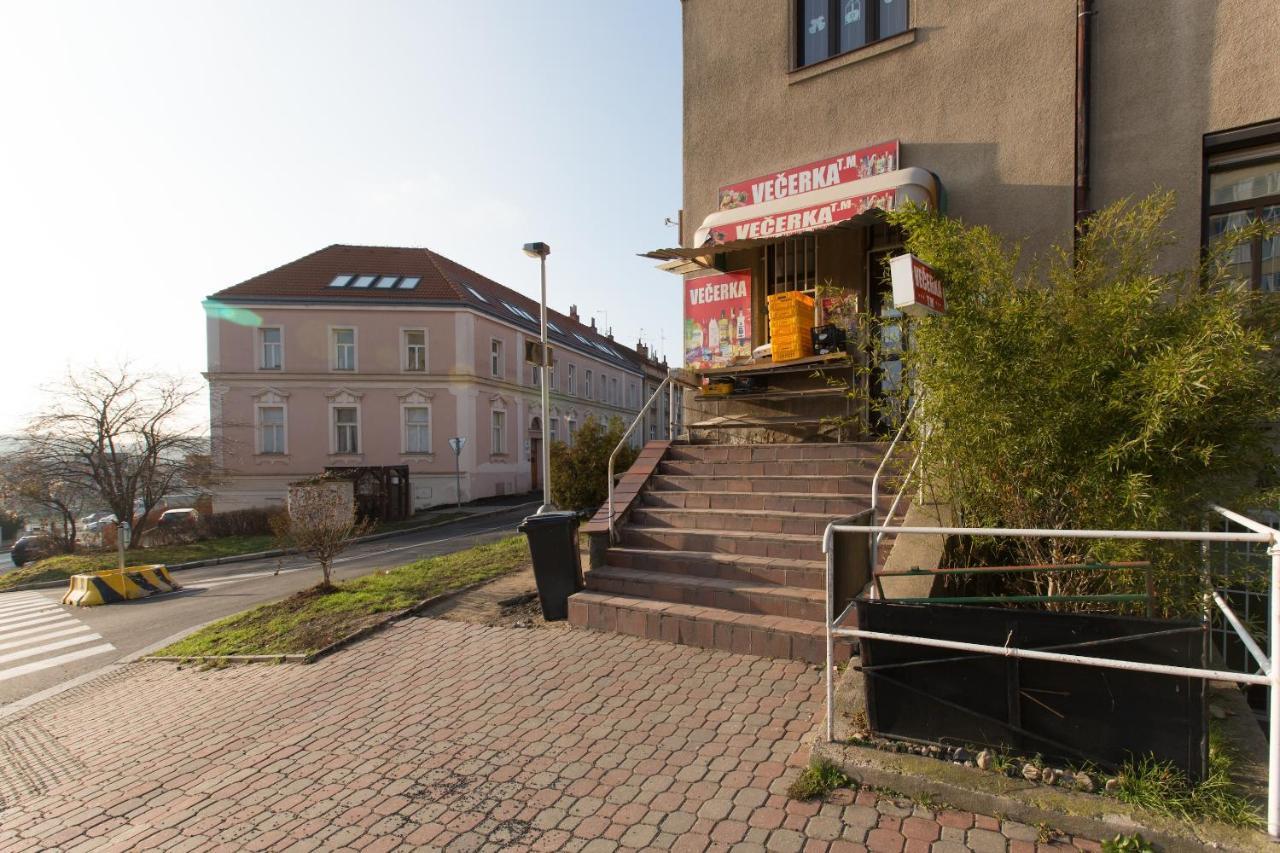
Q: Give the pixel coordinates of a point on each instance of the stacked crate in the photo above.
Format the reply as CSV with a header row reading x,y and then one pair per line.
x,y
791,325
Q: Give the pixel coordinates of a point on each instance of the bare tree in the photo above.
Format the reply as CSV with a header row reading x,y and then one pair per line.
x,y
124,433
40,486
320,522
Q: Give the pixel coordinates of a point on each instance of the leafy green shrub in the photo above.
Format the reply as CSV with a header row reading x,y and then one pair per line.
x,y
579,473
1093,389
817,780
1128,844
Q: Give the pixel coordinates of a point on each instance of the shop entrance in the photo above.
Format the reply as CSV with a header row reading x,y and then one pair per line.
x,y
885,410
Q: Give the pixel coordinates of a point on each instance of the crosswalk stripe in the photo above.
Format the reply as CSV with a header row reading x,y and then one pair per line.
x,y
24,632
26,623
25,608
27,614
28,602
19,596
48,663
49,647
10,643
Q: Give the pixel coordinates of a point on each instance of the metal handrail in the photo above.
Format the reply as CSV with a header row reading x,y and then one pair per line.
x,y
875,479
1270,675
639,417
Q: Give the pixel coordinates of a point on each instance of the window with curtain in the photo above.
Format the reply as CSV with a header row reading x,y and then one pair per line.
x,y
271,429
827,28
417,429
1244,187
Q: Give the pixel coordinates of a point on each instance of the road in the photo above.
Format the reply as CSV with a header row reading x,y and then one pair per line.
x,y
44,643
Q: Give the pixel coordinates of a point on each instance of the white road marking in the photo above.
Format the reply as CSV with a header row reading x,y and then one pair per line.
x,y
49,663
35,635
6,607
31,620
49,647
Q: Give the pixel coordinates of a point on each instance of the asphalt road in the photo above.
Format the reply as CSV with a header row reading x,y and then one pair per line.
x,y
71,642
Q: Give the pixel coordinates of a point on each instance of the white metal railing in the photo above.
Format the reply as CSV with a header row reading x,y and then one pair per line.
x,y
875,481
1256,532
668,383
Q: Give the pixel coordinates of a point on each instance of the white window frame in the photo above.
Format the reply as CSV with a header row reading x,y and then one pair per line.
x,y
333,349
551,374
571,429
572,380
333,428
498,448
614,392
497,358
404,349
262,349
555,428
604,388
586,384
404,428
259,444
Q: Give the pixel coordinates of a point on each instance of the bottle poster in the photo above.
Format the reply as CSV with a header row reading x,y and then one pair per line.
x,y
717,320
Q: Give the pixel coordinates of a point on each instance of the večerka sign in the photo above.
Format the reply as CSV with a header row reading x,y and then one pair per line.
x,y
802,219
852,166
717,319
917,289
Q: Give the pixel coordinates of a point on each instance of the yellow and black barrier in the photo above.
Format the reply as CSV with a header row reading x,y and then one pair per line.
x,y
113,585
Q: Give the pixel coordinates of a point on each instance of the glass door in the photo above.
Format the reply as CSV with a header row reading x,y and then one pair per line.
x,y
887,406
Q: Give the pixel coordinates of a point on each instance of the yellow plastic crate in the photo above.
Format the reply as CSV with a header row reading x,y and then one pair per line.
x,y
792,299
789,326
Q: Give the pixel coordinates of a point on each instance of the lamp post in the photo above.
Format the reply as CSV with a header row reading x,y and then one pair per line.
x,y
540,251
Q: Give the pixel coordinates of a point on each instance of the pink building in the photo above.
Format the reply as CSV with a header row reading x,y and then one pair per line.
x,y
372,357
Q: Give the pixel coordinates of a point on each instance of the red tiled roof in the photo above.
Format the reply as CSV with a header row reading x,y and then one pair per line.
x,y
442,280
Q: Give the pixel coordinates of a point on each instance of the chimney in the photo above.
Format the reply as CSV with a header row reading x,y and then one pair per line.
x,y
609,334
573,313
642,350
593,324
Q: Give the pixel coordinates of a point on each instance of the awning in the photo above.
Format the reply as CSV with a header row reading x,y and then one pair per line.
x,y
840,206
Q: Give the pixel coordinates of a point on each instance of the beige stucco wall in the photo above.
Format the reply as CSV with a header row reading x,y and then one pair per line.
x,y
983,96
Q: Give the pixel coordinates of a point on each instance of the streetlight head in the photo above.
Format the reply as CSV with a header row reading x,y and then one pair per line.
x,y
537,250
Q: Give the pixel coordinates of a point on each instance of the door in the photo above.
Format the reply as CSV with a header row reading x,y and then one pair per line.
x,y
887,407
535,454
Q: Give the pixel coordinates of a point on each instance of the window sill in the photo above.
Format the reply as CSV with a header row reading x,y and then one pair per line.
x,y
902,39
271,458
346,457
499,457
424,457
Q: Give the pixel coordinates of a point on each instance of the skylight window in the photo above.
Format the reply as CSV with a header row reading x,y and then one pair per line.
x,y
519,312
476,293
363,281
341,280
581,338
387,281
409,282
553,327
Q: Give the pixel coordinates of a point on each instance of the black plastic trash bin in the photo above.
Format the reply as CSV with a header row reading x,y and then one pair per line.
x,y
557,567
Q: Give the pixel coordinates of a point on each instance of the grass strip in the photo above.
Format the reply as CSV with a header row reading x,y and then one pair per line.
x,y
63,567
817,780
312,619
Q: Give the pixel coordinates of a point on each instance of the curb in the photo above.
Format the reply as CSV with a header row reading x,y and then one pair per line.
x,y
283,552
336,645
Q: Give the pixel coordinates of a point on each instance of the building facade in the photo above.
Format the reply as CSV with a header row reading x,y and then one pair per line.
x,y
373,358
804,119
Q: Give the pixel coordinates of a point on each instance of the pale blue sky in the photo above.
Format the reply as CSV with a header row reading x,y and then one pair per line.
x,y
154,152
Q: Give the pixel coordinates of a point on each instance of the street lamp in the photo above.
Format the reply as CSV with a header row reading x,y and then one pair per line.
x,y
540,251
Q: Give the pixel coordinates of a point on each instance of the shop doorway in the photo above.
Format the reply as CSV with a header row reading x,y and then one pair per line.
x,y
886,406
535,454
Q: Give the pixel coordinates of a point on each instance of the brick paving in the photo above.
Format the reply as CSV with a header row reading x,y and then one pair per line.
x,y
448,735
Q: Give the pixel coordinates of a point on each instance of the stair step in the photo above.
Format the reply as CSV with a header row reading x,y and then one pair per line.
x,y
805,574
775,452
785,468
778,502
739,596
849,484
705,627
794,546
754,520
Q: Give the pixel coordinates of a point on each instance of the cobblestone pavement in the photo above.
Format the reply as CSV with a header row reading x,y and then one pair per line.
x,y
443,734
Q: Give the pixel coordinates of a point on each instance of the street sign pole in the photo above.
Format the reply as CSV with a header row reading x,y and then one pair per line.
x,y
456,444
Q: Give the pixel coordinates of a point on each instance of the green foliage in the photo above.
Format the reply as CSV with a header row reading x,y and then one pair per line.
x,y
314,618
579,474
1128,844
10,524
818,779
1162,788
1095,389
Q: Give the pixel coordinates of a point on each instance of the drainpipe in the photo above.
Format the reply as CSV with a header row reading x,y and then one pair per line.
x,y
1084,11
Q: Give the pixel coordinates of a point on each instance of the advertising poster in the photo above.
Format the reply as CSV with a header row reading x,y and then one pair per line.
x,y
802,219
717,319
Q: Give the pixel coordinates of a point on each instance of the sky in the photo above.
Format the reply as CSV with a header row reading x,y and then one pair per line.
x,y
152,153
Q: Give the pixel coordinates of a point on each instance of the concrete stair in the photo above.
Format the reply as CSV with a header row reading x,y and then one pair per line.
x,y
722,547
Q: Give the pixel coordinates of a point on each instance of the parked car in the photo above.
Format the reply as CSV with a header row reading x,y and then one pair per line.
x,y
172,518
94,522
30,548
